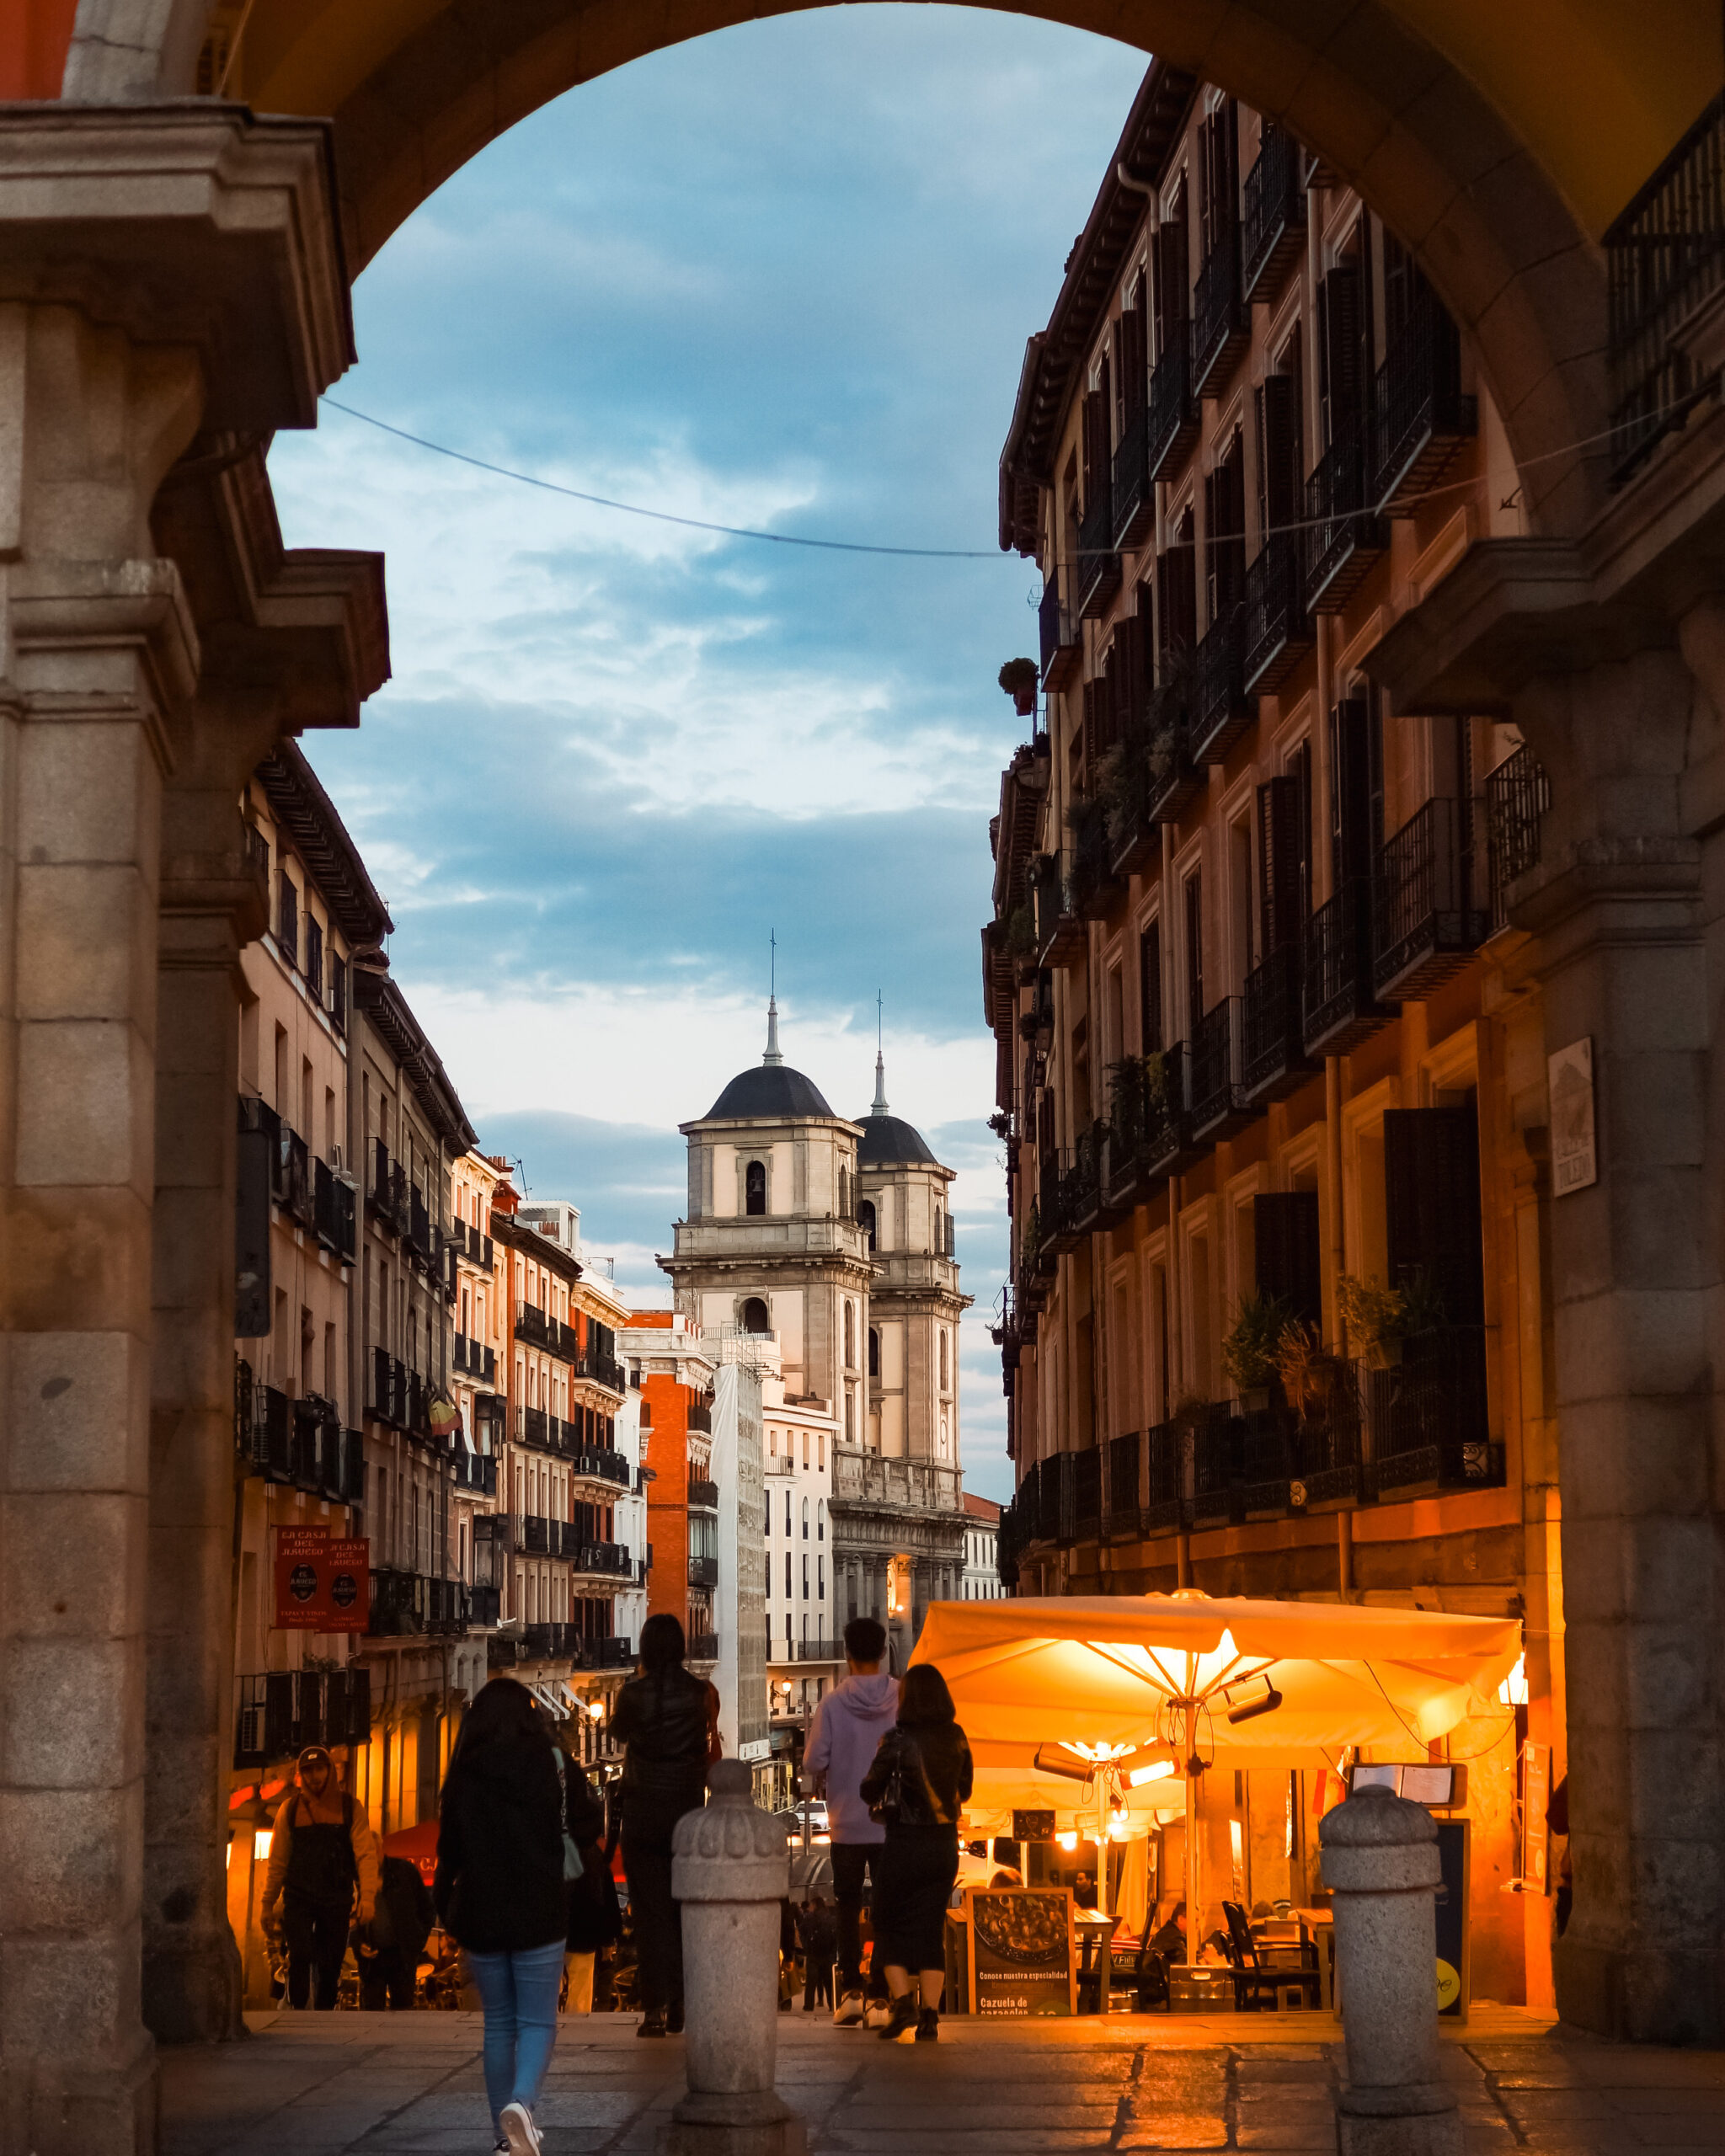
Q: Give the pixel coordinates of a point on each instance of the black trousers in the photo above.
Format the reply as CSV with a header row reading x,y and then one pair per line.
x,y
390,1976
851,1862
817,1987
658,1922
315,1934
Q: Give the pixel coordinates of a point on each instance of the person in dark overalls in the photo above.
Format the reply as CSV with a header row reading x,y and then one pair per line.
x,y
322,1853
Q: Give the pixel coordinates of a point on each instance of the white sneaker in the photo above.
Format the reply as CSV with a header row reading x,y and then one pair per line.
x,y
519,2131
879,2014
849,2010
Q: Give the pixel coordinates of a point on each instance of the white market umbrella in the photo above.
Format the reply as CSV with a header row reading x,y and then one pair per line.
x,y
1287,1683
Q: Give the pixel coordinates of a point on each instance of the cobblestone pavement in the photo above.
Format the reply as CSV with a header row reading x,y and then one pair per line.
x,y
320,2085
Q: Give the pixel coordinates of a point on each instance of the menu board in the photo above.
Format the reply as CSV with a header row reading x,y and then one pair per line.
x,y
1022,1961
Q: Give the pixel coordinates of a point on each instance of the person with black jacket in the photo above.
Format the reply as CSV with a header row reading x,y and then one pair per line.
x,y
499,1891
595,1920
664,1719
818,1930
917,1786
388,1949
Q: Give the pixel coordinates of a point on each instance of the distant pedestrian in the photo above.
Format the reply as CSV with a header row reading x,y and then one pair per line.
x,y
594,1920
817,1928
918,1786
322,1876
665,1719
848,1725
499,1891
388,1949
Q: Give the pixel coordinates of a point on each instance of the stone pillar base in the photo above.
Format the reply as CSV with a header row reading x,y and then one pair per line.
x,y
1407,2133
194,1990
755,2123
47,2110
1644,1998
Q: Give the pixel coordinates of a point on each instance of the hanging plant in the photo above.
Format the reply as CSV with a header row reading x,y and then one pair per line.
x,y
1019,678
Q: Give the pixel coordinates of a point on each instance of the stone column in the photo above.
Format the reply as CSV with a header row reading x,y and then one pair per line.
x,y
198,229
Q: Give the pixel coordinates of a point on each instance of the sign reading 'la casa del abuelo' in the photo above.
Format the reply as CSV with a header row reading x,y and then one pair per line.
x,y
323,1581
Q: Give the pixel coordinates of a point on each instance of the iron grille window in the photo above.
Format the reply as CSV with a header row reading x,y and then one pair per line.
x,y
287,918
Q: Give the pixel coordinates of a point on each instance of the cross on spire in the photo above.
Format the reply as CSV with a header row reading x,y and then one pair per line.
x,y
772,1054
880,1106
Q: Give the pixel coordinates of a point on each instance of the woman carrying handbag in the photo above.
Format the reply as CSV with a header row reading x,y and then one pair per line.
x,y
917,1787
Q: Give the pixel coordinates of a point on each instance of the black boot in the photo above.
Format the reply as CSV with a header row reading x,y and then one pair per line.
x,y
902,2023
928,2025
674,2019
652,2022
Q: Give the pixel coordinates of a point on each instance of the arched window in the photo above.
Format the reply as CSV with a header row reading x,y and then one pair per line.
x,y
755,1316
755,1191
873,1351
942,1361
865,1213
850,1336
805,1519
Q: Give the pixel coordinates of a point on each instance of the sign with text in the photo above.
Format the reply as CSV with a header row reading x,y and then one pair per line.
x,y
1536,1796
1575,1159
1021,1952
1032,1826
323,1581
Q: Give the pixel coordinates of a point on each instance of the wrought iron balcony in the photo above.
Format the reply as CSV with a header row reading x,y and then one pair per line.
x,y
280,1712
1133,488
1169,1146
1098,564
703,1646
608,1653
703,1572
1059,1232
1061,639
1272,228
703,1496
476,1471
600,1463
1220,709
476,1361
1061,936
1095,884
406,1604
333,1211
1217,1107
1221,323
1426,915
537,1537
1218,1468
1273,1059
607,1560
1517,794
1168,1451
1081,1186
1172,424
1343,536
598,1368
1428,1419
1338,1006
701,1415
1120,1513
1086,1494
1419,416
1278,633
1175,778
1664,257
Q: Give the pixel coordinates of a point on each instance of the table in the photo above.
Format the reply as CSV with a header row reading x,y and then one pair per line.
x,y
1093,1933
1323,1925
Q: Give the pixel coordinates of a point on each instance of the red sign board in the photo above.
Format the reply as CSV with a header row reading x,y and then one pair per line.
x,y
322,1583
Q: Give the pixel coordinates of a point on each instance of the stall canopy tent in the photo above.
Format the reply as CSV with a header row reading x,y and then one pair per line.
x,y
1138,1674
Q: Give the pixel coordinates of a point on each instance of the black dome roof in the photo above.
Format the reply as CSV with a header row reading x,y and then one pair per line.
x,y
889,1140
770,1090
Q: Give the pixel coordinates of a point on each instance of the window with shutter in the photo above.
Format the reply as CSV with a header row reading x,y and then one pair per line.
x,y
1225,531
1355,802
1432,1208
1171,261
1194,949
1281,850
1341,352
1288,1258
1279,485
1150,990
1132,383
1176,582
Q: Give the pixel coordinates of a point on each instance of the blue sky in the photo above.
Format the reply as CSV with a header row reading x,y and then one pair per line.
x,y
779,277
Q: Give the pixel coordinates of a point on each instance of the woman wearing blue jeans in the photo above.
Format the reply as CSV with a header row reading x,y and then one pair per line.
x,y
499,1892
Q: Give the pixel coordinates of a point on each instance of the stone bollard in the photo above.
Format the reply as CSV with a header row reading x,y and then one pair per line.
x,y
1380,1863
730,1871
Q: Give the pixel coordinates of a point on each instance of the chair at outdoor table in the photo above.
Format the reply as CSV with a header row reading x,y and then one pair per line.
x,y
1253,1975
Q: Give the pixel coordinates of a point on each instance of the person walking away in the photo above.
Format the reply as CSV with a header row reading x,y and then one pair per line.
x,y
664,1719
388,1949
918,1786
323,1873
818,1933
499,1892
594,1919
848,1725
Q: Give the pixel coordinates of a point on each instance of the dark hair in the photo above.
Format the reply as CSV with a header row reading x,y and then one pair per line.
x,y
1176,1912
865,1639
923,1697
662,1644
503,1712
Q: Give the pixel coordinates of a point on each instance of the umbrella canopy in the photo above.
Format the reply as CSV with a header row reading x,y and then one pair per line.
x,y
418,1845
1290,1682
1008,1779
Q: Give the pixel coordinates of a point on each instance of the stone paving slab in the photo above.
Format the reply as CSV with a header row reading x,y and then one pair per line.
x,y
351,2084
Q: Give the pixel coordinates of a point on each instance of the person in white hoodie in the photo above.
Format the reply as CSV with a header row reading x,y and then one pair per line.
x,y
848,1725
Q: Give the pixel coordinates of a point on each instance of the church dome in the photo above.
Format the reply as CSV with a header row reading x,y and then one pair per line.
x,y
888,1141
770,1091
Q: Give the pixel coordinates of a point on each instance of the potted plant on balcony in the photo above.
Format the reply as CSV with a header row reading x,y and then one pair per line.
x,y
1380,1320
1019,678
1312,1375
1250,1348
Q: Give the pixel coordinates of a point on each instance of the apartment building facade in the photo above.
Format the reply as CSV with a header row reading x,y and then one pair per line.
x,y
1272,1089
805,1651
671,1368
981,1580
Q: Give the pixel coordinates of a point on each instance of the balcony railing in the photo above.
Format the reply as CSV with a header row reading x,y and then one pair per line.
x,y
1217,1106
1134,490
703,1646
1272,226
1059,929
1338,1008
1095,884
333,1211
1278,633
598,1560
1175,778
1517,794
1420,417
1081,1186
281,1711
537,1329
1220,323
608,1653
1343,536
477,1361
1273,1059
1429,1418
405,1604
703,1496
1060,639
1168,1451
1098,564
1172,424
1664,257
1426,918
703,1572
600,1464
1220,711
1120,1514
600,1368
476,1471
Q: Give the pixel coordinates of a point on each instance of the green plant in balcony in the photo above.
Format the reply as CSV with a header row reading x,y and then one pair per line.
x,y
1251,1344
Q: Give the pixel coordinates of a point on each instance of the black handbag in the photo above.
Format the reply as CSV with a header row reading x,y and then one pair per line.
x,y
889,1806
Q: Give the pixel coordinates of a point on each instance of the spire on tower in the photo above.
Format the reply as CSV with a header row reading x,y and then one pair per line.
x,y
772,1054
880,1106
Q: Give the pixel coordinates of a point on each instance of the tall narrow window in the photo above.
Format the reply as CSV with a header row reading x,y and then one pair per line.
x,y
1195,948
865,1215
850,1336
944,1380
755,1187
873,1351
1150,990
755,1316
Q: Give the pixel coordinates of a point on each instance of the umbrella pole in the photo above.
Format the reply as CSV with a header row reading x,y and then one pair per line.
x,y
1192,1904
1102,1848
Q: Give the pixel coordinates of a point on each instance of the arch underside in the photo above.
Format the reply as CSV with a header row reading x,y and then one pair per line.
x,y
1473,129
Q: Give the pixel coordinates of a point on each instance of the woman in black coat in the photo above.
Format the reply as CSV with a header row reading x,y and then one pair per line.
x,y
499,1891
917,1785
